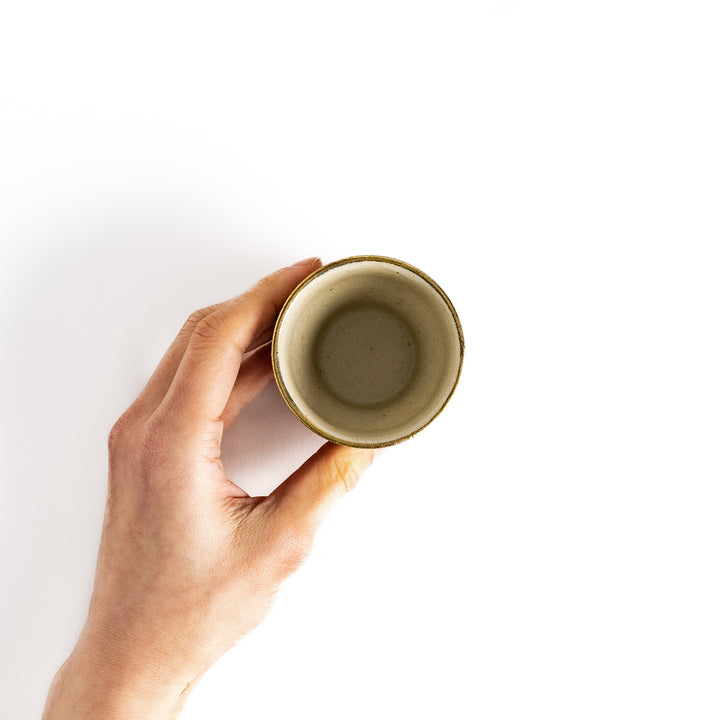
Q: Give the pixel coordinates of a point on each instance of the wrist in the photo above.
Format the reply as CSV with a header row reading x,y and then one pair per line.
x,y
95,684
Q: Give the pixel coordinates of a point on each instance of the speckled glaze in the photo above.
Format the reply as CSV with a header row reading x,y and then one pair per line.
x,y
367,351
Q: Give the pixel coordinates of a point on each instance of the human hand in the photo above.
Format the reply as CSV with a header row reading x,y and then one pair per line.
x,y
188,563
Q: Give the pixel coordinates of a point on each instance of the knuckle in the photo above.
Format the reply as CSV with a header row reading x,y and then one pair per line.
x,y
346,473
196,316
210,327
262,284
126,439
290,553
120,432
262,294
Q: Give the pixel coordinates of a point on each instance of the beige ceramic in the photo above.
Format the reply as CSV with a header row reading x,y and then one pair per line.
x,y
367,351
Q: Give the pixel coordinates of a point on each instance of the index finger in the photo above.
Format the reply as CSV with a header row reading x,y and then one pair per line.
x,y
208,369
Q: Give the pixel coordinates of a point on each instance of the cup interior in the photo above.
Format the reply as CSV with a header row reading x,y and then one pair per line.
x,y
367,351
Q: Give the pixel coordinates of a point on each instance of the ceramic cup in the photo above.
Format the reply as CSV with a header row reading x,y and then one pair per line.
x,y
367,351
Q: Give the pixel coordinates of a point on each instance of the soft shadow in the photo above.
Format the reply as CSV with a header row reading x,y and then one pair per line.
x,y
88,325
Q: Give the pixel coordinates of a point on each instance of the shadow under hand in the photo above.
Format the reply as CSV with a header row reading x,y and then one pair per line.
x,y
86,318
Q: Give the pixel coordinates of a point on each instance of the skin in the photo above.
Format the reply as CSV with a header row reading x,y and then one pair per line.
x,y
188,563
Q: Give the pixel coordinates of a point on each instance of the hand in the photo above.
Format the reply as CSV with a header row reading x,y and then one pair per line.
x,y
188,563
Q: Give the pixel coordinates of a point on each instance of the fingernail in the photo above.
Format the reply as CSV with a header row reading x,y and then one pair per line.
x,y
307,261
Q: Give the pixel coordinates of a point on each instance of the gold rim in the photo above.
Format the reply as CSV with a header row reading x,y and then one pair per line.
x,y
281,316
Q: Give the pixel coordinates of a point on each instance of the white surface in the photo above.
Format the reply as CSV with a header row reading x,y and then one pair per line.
x,y
548,548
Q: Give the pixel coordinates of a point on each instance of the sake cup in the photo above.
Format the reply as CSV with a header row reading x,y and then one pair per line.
x,y
367,351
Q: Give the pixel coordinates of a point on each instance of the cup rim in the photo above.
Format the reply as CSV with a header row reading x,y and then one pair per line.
x,y
281,316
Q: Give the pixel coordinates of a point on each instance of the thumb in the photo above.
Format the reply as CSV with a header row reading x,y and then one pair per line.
x,y
308,494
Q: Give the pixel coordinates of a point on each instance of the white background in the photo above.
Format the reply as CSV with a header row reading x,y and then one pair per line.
x,y
549,547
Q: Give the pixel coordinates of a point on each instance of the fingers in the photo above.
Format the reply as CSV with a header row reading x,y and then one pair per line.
x,y
158,384
293,511
300,503
264,337
254,375
208,370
